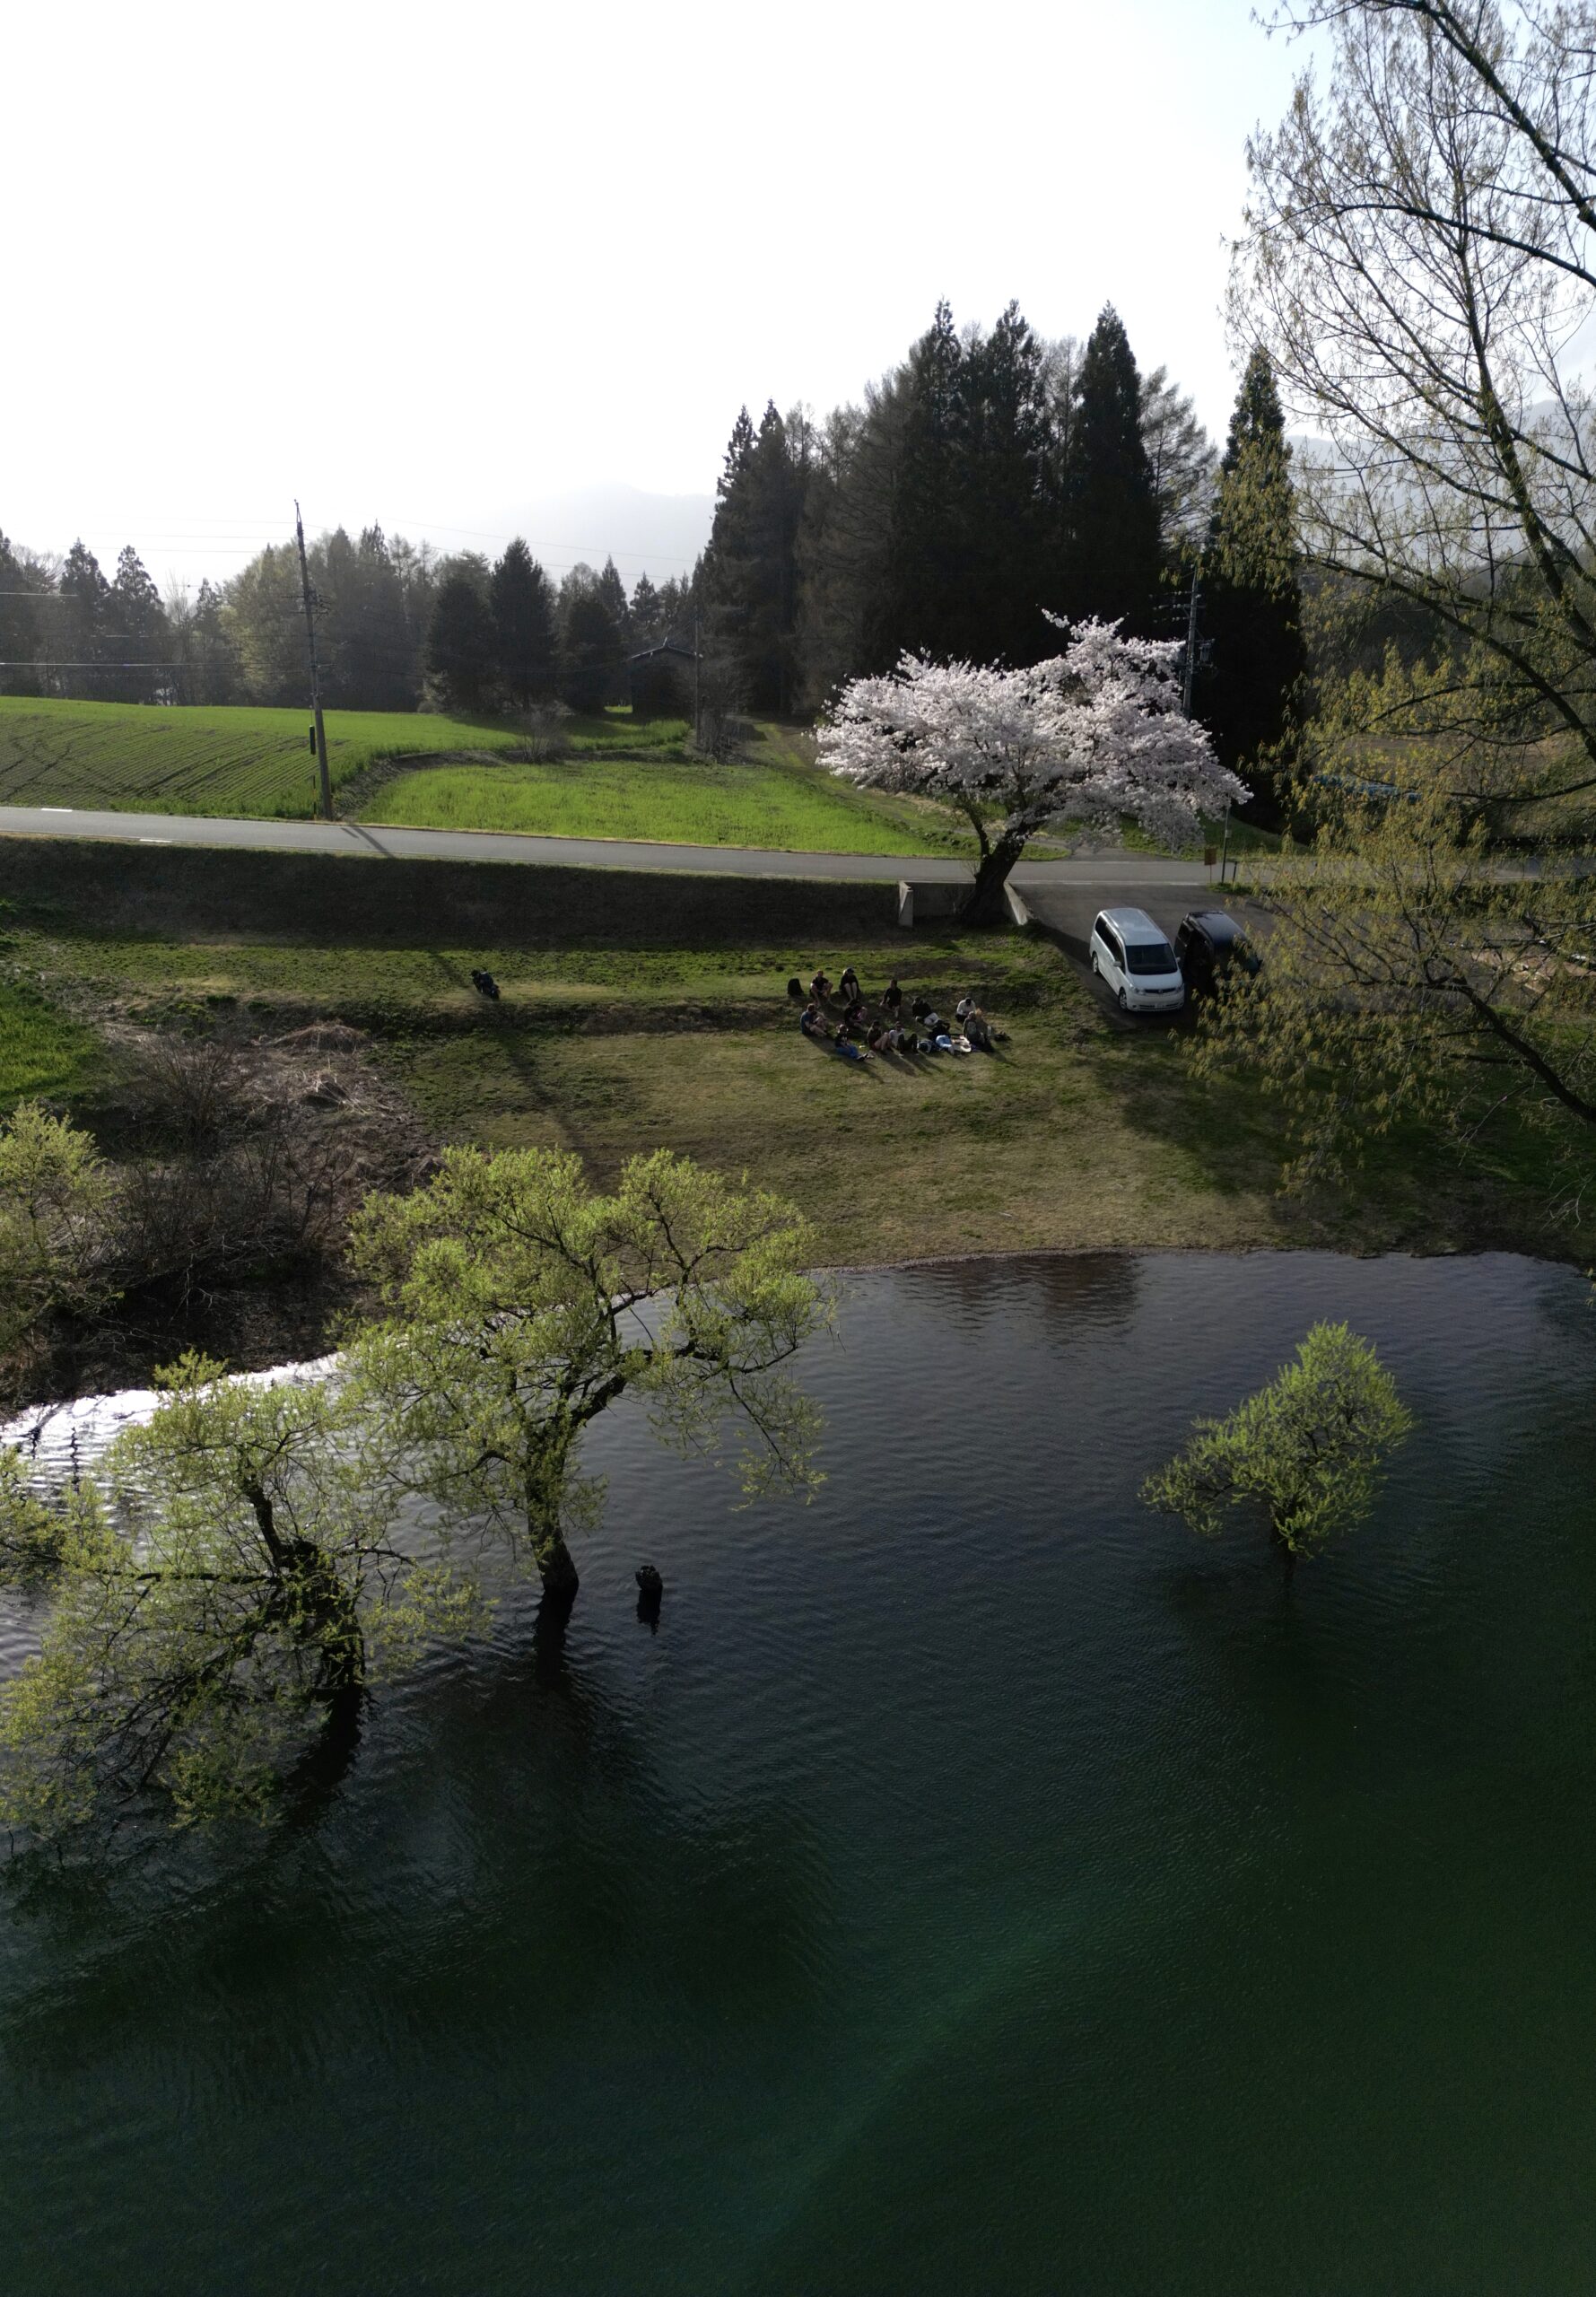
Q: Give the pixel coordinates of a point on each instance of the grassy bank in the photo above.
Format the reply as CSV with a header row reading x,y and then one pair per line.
x,y
608,787
663,1025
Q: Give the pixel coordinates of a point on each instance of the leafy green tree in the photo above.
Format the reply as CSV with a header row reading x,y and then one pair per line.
x,y
222,1592
1249,686
462,644
210,653
1113,518
266,618
522,602
1407,976
54,1194
1306,1450
517,1305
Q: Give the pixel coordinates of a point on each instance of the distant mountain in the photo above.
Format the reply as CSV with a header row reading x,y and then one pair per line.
x,y
659,534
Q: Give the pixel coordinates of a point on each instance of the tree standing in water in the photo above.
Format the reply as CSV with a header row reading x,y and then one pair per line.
x,y
222,1591
1307,1448
517,1305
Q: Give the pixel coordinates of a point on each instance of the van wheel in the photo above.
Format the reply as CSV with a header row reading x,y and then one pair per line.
x,y
1120,1000
1096,968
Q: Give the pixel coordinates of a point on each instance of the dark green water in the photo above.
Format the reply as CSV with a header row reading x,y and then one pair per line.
x,y
976,1884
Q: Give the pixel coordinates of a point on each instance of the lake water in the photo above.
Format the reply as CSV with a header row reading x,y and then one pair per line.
x,y
976,1884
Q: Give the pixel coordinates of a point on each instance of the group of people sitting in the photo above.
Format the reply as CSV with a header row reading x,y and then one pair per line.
x,y
856,1036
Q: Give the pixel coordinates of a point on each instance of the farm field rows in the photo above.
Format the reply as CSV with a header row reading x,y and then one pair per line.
x,y
133,757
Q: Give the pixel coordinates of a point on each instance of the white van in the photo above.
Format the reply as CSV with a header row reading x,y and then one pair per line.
x,y
1133,955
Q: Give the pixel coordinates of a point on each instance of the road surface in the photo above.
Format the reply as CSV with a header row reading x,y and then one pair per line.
x,y
1112,874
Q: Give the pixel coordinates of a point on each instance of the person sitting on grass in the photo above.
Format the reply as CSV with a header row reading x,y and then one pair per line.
x,y
848,987
848,1050
976,1027
813,1023
820,988
891,999
853,1019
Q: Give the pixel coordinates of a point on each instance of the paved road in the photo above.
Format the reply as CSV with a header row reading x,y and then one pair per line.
x,y
1108,873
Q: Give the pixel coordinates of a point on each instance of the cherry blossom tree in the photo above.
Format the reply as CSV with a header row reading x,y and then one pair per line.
x,y
1077,743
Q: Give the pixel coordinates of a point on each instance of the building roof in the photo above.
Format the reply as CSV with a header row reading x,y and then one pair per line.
x,y
657,653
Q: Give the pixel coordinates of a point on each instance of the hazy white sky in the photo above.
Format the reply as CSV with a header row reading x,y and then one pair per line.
x,y
432,264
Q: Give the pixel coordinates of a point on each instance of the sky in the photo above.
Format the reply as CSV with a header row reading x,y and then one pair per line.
x,y
453,269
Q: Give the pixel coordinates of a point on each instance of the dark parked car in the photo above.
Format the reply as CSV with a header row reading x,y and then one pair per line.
x,y
1209,941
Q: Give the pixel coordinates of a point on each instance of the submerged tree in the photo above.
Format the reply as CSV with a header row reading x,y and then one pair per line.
x,y
1306,1450
222,1591
1083,740
519,1306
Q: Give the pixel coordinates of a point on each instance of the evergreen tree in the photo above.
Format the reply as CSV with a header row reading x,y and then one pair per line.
x,y
1112,507
462,643
521,599
924,585
211,655
1183,464
81,624
612,591
645,612
135,632
18,624
1248,685
1009,521
591,654
751,574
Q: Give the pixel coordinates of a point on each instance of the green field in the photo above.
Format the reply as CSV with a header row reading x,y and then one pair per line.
x,y
614,780
610,786
136,758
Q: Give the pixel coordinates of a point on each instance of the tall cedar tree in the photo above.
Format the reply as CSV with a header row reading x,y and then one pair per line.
x,y
135,633
1009,514
612,591
462,644
750,568
521,598
1112,507
1248,686
591,653
916,602
18,625
80,634
644,614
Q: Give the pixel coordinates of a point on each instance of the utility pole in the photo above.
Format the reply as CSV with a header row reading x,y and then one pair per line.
x,y
1190,643
326,784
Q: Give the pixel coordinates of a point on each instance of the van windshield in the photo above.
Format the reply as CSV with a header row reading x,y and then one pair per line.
x,y
1150,956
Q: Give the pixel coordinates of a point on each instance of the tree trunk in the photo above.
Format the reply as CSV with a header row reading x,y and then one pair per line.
x,y
985,906
557,1571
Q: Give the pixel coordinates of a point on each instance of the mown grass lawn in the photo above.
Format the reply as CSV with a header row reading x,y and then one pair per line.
x,y
1078,1134
608,786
